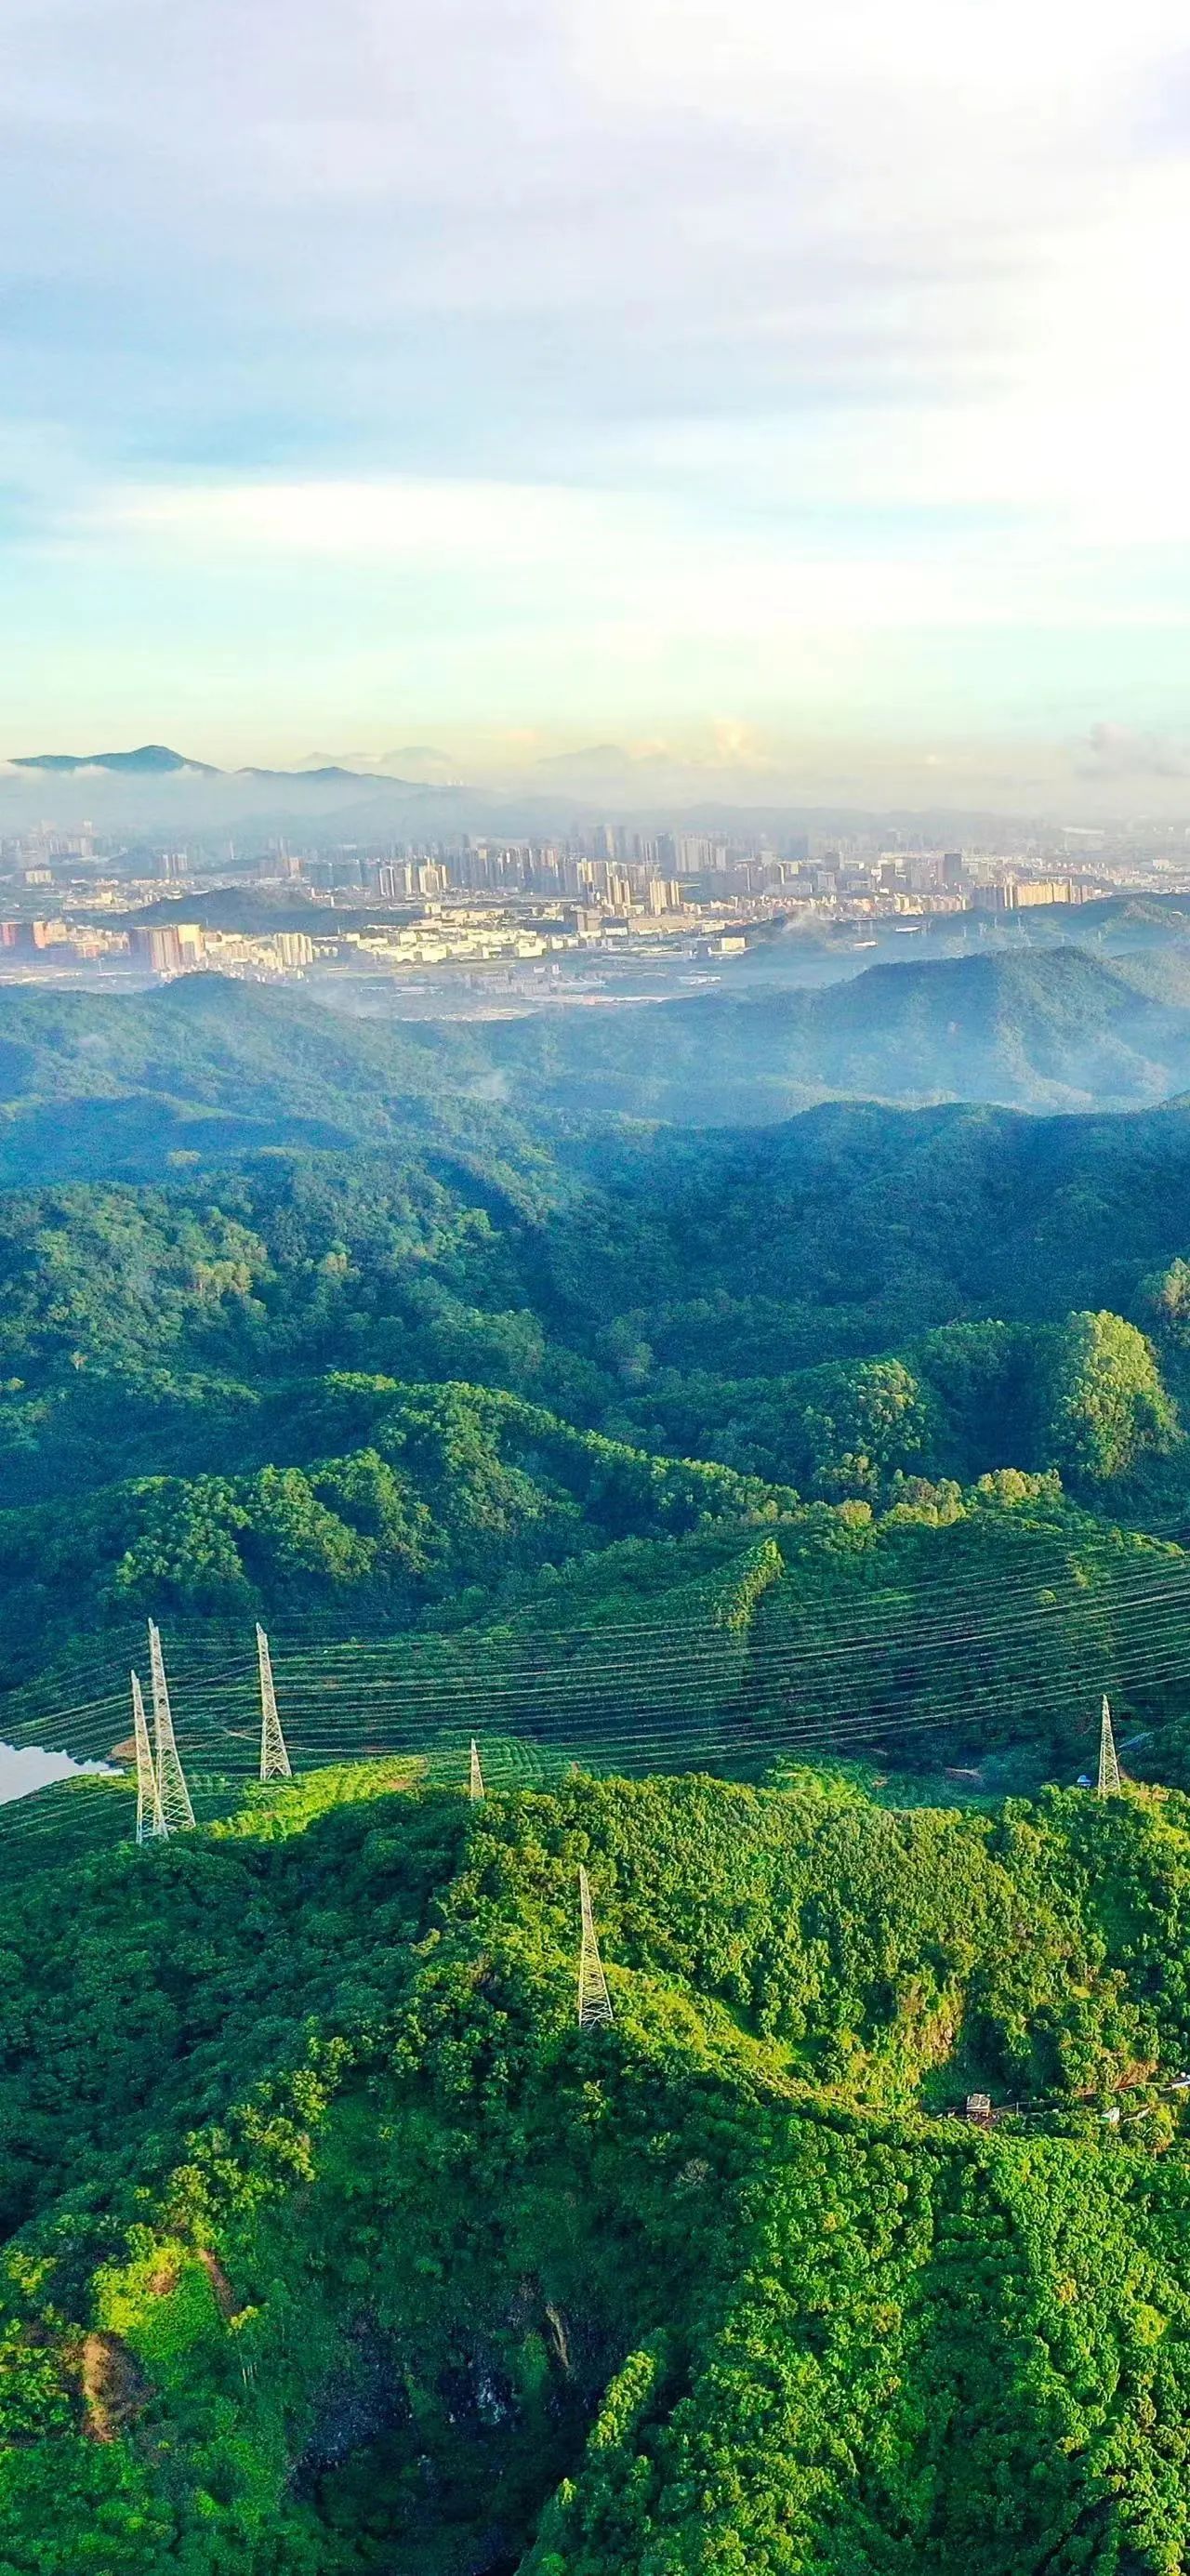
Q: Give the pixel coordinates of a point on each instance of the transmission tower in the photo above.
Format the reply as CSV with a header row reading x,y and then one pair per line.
x,y
173,1796
594,2001
150,1823
476,1781
1109,1769
274,1758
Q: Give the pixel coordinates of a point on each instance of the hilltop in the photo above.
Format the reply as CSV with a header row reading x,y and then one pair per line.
x,y
1054,1028
482,1387
334,2244
156,760
150,760
207,1067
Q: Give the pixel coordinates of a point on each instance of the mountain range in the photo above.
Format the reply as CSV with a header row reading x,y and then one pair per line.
x,y
204,1067
1049,1029
155,787
156,760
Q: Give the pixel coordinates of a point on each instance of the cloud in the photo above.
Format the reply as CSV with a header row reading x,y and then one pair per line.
x,y
394,518
627,216
636,569
528,358
1115,751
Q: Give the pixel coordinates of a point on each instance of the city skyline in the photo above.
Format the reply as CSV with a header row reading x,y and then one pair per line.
x,y
791,409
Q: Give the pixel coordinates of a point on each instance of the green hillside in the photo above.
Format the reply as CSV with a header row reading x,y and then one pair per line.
x,y
334,2244
617,1608
1059,1028
205,1068
673,1271
664,1465
484,1419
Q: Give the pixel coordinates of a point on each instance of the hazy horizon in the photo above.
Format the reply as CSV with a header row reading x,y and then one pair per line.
x,y
645,782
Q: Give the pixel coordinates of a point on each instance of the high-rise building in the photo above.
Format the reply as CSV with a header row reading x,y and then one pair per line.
x,y
159,944
1033,890
394,879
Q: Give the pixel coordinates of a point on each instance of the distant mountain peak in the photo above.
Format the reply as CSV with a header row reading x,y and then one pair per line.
x,y
334,772
150,760
603,757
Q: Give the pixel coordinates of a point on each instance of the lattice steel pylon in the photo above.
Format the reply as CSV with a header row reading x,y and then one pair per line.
x,y
274,1756
150,1823
172,1792
594,2001
475,1782
1109,1769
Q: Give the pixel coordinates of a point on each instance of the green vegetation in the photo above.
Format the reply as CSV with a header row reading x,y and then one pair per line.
x,y
1063,1029
93,1086
329,2243
205,1068
334,2245
500,1398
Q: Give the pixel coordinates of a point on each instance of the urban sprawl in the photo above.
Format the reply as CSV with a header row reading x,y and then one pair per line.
x,y
505,913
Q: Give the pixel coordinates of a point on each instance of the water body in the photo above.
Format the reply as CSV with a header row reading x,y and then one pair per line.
x,y
24,1768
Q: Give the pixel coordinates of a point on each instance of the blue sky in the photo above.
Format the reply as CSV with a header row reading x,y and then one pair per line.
x,y
805,401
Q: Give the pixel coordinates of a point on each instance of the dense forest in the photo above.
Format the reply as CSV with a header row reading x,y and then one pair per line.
x,y
202,1067
1065,1029
335,2244
774,1503
508,1383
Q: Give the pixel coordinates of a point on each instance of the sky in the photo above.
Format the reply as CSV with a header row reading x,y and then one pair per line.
x,y
798,396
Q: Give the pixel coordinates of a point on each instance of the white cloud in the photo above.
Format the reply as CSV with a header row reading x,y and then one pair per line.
x,y
617,555
609,337
1115,751
393,519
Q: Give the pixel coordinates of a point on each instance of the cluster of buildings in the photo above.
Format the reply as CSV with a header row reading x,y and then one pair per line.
x,y
613,870
441,933
486,901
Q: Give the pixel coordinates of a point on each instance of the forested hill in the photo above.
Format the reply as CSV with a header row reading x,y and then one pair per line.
x,y
330,2243
205,1068
1045,1029
447,1399
335,2245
